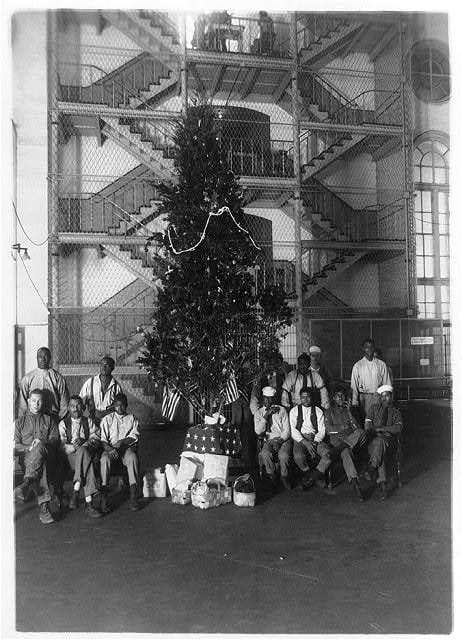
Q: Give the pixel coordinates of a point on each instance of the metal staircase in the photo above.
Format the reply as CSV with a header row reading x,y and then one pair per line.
x,y
135,260
141,144
148,31
141,79
321,36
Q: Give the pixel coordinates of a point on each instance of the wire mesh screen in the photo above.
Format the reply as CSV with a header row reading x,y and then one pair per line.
x,y
120,86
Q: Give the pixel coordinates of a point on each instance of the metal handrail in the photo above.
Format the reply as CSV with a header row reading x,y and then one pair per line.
x,y
126,91
347,105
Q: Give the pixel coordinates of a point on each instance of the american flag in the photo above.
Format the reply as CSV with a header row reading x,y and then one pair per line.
x,y
219,439
231,390
170,401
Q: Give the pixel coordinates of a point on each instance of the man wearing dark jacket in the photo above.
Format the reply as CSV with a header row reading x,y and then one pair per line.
x,y
35,437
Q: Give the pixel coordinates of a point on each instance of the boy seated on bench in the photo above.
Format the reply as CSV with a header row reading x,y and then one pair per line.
x,y
272,419
344,434
80,442
308,430
119,437
383,423
36,436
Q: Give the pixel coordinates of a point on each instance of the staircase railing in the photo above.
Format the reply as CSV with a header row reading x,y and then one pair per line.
x,y
321,27
94,213
352,114
96,85
241,34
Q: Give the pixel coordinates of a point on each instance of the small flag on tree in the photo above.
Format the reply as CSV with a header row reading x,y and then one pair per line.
x,y
231,390
170,401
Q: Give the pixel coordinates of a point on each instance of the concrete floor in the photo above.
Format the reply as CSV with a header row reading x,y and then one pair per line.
x,y
313,562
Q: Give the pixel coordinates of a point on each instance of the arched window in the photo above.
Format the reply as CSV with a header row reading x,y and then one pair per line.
x,y
431,177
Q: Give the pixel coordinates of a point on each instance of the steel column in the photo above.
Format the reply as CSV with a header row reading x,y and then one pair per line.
x,y
53,129
297,187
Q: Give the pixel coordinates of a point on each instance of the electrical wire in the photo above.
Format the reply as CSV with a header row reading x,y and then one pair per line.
x,y
94,340
37,244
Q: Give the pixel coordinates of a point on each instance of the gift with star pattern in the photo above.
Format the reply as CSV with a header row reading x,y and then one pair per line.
x,y
218,439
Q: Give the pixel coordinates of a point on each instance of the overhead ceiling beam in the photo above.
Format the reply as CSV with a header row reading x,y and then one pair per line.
x,y
383,43
249,82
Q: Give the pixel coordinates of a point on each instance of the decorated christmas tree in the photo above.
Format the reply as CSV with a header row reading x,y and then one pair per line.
x,y
212,328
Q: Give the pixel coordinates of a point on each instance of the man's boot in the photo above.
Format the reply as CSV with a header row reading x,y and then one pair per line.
x,y
104,506
44,514
91,511
307,480
74,501
23,491
357,489
319,478
383,491
133,505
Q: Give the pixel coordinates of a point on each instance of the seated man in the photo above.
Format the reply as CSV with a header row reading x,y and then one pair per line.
x,y
119,436
344,434
80,442
383,421
308,430
272,420
36,436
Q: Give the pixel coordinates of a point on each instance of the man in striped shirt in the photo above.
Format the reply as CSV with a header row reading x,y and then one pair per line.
x,y
98,392
302,377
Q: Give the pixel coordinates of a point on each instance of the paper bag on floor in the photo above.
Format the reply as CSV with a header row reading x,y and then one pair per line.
x,y
154,484
216,467
171,473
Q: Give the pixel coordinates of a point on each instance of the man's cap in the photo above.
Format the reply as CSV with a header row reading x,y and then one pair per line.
x,y
384,388
269,392
314,349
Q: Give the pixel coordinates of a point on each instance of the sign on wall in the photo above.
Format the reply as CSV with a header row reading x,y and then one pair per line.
x,y
418,341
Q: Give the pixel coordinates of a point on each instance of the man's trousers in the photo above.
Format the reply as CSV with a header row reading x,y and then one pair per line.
x,y
377,450
304,460
36,470
129,460
276,447
347,441
83,462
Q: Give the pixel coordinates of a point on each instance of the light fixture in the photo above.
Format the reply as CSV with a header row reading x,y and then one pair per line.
x,y
20,250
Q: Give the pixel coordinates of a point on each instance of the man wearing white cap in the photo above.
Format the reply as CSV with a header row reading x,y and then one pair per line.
x,y
383,421
300,378
316,367
273,421
367,375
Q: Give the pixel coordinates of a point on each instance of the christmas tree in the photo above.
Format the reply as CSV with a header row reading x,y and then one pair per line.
x,y
211,328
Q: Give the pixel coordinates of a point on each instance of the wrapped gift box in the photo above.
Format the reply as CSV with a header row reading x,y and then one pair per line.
x,y
154,484
171,473
216,467
203,439
230,440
